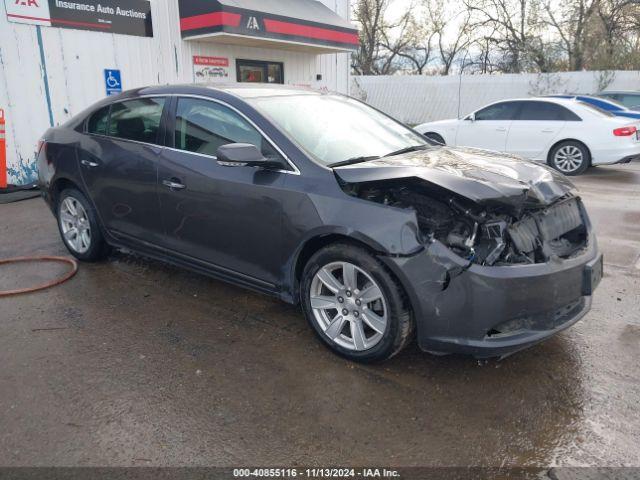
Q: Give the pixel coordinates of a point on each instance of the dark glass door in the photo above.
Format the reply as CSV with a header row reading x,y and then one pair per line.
x,y
256,71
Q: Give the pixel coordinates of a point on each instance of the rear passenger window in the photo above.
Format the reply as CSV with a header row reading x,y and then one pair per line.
x,y
137,119
498,111
546,111
203,126
98,121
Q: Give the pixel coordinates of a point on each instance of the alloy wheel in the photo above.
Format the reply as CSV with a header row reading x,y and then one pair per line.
x,y
349,306
74,222
568,158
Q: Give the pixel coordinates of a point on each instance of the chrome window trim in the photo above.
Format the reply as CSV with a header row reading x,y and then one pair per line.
x,y
295,170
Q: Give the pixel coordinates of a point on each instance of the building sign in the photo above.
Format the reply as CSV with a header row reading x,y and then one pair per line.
x,y
210,69
112,82
128,17
306,23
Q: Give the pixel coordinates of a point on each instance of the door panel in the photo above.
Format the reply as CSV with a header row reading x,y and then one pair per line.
x,y
227,216
537,125
121,175
532,139
488,127
488,134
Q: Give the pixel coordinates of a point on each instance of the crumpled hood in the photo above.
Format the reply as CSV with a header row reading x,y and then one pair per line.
x,y
482,176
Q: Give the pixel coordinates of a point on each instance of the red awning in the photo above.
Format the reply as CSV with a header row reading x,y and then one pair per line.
x,y
293,24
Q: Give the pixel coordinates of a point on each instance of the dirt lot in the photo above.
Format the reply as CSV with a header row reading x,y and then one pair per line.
x,y
136,363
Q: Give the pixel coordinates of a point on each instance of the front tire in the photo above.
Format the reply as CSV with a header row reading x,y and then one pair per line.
x,y
354,304
78,226
570,157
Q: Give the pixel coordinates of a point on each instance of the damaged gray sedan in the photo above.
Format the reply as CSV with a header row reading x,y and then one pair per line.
x,y
321,200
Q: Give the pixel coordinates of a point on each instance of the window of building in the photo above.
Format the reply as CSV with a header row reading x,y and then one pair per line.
x,y
255,71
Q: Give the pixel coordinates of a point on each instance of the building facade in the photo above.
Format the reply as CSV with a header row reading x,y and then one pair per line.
x,y
58,57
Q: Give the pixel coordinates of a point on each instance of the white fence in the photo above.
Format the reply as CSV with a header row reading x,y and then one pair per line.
x,y
417,99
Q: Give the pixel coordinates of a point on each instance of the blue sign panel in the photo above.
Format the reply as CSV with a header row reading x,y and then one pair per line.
x,y
112,82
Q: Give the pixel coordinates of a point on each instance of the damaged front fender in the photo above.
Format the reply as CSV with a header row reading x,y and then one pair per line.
x,y
492,310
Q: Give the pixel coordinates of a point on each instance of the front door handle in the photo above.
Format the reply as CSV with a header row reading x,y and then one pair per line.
x,y
173,184
501,129
90,164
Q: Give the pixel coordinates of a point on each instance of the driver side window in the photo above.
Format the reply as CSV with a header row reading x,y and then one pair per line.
x,y
203,126
498,111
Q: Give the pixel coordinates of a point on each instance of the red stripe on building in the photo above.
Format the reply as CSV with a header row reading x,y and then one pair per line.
x,y
215,19
28,18
62,22
287,28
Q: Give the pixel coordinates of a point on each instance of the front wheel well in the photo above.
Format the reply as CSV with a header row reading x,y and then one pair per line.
x,y
567,140
319,242
315,244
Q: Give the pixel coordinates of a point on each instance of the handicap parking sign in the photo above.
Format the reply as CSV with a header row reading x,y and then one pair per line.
x,y
112,82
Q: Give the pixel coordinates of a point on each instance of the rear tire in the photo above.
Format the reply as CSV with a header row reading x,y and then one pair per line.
x,y
354,304
570,157
78,226
434,137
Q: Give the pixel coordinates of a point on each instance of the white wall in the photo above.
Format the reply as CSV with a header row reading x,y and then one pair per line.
x,y
75,60
418,99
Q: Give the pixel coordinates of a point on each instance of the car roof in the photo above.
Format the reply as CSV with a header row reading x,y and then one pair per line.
x,y
559,101
633,92
242,90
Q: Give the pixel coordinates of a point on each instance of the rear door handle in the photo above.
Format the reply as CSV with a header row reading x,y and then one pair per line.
x,y
90,164
501,129
547,130
173,184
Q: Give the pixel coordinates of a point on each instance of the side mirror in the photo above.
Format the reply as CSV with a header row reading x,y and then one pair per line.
x,y
243,154
471,117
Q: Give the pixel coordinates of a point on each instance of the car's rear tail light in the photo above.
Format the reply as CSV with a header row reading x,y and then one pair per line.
x,y
625,131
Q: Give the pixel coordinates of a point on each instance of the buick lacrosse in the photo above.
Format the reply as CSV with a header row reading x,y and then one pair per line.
x,y
323,201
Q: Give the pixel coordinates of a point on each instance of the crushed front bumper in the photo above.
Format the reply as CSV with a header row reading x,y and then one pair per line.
x,y
494,311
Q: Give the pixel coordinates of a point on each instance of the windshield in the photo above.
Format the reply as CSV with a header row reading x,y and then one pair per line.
x,y
334,129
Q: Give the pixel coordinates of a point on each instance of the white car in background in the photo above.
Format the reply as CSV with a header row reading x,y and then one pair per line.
x,y
567,134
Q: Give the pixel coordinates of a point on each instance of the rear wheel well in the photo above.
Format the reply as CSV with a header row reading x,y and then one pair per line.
x,y
59,186
567,140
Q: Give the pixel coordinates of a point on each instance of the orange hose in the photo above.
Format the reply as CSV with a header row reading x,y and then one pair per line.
x,y
53,283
